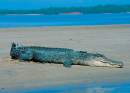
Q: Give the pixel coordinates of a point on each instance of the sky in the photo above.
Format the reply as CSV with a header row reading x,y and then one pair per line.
x,y
36,4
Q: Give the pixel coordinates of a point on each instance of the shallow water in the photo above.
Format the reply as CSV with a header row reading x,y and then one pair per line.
x,y
63,20
80,88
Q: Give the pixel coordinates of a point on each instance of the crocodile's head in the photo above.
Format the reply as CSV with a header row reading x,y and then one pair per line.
x,y
15,51
100,60
20,52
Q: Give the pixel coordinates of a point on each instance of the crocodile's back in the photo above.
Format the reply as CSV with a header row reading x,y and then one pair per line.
x,y
48,48
54,55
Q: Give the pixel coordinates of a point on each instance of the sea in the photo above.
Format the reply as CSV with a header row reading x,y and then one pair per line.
x,y
32,20
77,88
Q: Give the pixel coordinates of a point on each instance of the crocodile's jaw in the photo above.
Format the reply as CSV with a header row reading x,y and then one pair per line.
x,y
97,63
102,64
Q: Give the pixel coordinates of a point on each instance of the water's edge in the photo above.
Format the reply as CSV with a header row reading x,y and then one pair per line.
x,y
79,88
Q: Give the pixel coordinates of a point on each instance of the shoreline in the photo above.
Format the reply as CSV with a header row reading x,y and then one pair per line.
x,y
83,88
68,13
68,26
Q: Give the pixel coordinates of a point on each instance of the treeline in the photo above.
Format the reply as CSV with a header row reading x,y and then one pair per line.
x,y
83,10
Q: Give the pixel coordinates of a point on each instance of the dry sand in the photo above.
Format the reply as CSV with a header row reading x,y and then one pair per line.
x,y
112,41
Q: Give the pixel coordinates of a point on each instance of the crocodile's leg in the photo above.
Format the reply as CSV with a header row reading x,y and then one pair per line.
x,y
67,63
26,55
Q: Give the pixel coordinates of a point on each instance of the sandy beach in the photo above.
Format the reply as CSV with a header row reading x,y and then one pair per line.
x,y
112,41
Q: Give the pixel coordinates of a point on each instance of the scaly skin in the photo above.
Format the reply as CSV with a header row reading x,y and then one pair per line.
x,y
64,56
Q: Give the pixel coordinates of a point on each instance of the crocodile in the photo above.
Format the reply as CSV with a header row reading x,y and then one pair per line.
x,y
65,56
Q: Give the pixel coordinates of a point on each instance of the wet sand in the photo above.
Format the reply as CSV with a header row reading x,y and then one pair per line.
x,y
112,41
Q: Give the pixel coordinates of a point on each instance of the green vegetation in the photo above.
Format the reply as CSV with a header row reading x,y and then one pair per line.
x,y
83,10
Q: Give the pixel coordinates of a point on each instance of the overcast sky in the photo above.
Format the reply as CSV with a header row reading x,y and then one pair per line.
x,y
34,4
